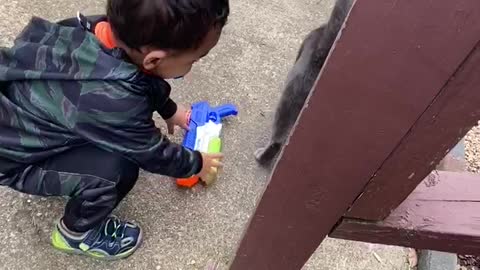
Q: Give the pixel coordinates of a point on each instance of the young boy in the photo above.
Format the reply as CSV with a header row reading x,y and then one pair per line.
x,y
76,107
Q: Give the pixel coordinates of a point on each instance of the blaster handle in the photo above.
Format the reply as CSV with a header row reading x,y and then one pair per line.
x,y
188,182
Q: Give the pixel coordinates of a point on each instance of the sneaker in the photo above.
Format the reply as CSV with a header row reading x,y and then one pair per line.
x,y
113,239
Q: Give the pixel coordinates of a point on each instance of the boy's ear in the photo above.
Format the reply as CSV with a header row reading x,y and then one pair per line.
x,y
153,58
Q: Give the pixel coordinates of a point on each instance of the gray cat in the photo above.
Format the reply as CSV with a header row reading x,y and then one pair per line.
x,y
301,78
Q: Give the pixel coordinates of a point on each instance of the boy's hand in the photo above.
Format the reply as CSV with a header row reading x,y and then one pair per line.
x,y
180,118
210,162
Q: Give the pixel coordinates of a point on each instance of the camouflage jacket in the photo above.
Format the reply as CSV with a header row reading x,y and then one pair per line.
x,y
60,88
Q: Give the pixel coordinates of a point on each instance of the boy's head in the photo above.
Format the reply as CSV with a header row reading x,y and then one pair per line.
x,y
166,37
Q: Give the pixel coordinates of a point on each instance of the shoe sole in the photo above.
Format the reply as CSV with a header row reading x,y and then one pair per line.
x,y
103,256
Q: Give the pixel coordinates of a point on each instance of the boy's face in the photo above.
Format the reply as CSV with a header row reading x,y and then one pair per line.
x,y
169,65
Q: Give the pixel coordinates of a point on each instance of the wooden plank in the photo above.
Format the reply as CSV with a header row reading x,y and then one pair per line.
x,y
361,108
451,115
441,214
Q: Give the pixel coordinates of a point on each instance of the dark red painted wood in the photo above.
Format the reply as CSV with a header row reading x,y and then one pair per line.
x,y
441,214
451,115
388,66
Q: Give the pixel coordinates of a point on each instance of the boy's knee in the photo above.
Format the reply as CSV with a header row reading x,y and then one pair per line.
x,y
119,169
124,173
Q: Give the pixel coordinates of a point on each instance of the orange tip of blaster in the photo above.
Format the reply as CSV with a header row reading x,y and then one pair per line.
x,y
188,182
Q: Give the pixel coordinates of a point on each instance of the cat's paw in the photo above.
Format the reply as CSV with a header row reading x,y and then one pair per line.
x,y
259,154
265,155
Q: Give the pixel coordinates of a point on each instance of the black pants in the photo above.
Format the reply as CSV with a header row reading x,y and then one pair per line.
x,y
94,179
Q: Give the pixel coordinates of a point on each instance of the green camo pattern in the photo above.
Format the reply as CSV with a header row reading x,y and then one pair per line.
x,y
60,88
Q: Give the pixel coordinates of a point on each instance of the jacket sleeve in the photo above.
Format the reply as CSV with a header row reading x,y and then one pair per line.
x,y
159,95
168,109
123,123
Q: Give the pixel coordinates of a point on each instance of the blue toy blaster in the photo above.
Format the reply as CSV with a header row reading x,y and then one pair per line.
x,y
205,126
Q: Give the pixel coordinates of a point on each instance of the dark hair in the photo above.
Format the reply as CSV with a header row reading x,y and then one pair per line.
x,y
165,24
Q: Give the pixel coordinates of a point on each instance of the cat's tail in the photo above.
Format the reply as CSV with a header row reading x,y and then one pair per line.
x,y
337,18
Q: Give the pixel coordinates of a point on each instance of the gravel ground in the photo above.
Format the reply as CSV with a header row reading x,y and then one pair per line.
x,y
472,149
472,155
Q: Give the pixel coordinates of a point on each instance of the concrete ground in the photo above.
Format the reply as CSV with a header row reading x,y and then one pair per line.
x,y
188,229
